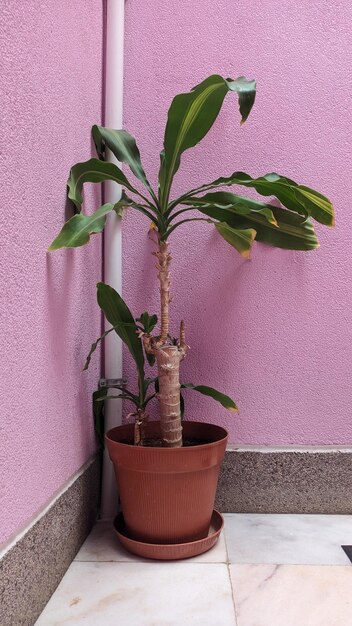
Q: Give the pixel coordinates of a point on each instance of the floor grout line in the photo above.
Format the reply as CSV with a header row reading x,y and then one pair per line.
x,y
290,564
228,563
158,562
226,548
232,593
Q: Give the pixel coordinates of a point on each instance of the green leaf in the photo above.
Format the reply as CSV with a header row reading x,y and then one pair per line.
x,y
93,171
150,381
123,203
147,383
124,147
125,391
148,322
77,230
292,231
182,406
242,240
98,413
297,198
95,345
293,196
224,400
246,90
118,314
237,204
190,117
150,359
121,396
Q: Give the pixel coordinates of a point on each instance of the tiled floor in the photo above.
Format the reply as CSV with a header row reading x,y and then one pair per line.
x,y
266,570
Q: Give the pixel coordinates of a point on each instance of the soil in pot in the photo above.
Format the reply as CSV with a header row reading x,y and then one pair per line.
x,y
154,442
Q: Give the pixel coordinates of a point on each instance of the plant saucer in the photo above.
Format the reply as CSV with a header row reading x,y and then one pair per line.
x,y
170,551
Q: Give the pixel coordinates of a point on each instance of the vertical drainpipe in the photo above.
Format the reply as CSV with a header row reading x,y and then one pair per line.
x,y
114,41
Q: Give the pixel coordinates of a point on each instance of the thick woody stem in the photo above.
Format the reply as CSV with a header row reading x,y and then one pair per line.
x,y
168,360
139,434
168,357
182,346
163,267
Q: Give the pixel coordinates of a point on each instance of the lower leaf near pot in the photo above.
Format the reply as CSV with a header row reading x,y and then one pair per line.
x,y
167,494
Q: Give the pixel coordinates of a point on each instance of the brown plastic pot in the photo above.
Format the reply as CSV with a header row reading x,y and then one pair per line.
x,y
167,494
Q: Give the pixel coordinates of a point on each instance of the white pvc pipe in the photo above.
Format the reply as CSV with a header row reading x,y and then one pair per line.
x,y
112,233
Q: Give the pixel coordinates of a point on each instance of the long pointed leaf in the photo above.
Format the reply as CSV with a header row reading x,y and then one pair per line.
x,y
98,413
242,240
292,195
190,117
297,198
77,230
95,345
124,147
291,232
237,204
148,323
223,399
118,314
93,171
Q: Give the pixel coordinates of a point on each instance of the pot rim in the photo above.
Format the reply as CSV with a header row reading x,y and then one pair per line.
x,y
162,450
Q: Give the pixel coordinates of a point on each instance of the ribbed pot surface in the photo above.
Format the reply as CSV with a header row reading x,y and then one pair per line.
x,y
167,494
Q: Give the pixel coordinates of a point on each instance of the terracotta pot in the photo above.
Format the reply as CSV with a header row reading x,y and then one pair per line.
x,y
167,494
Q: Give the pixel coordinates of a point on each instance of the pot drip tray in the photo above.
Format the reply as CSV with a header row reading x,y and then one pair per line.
x,y
168,551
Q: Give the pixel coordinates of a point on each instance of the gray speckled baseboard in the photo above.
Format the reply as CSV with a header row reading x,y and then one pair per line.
x,y
33,568
285,481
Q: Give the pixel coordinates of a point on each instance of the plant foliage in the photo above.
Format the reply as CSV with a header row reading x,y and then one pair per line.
x,y
238,219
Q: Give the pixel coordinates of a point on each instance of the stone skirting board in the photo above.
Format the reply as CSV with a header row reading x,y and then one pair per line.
x,y
31,570
286,480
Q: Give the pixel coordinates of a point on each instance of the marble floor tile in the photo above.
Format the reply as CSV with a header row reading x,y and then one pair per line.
x,y
295,539
292,595
142,594
103,545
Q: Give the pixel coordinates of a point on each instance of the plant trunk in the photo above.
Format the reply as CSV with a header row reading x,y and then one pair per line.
x,y
168,360
139,427
163,267
168,357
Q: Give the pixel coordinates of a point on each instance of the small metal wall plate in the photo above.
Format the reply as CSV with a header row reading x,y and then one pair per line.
x,y
112,382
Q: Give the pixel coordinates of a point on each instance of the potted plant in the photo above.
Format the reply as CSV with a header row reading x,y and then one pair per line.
x,y
173,486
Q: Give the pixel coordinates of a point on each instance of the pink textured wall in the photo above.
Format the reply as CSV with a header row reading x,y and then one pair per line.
x,y
52,58
275,332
